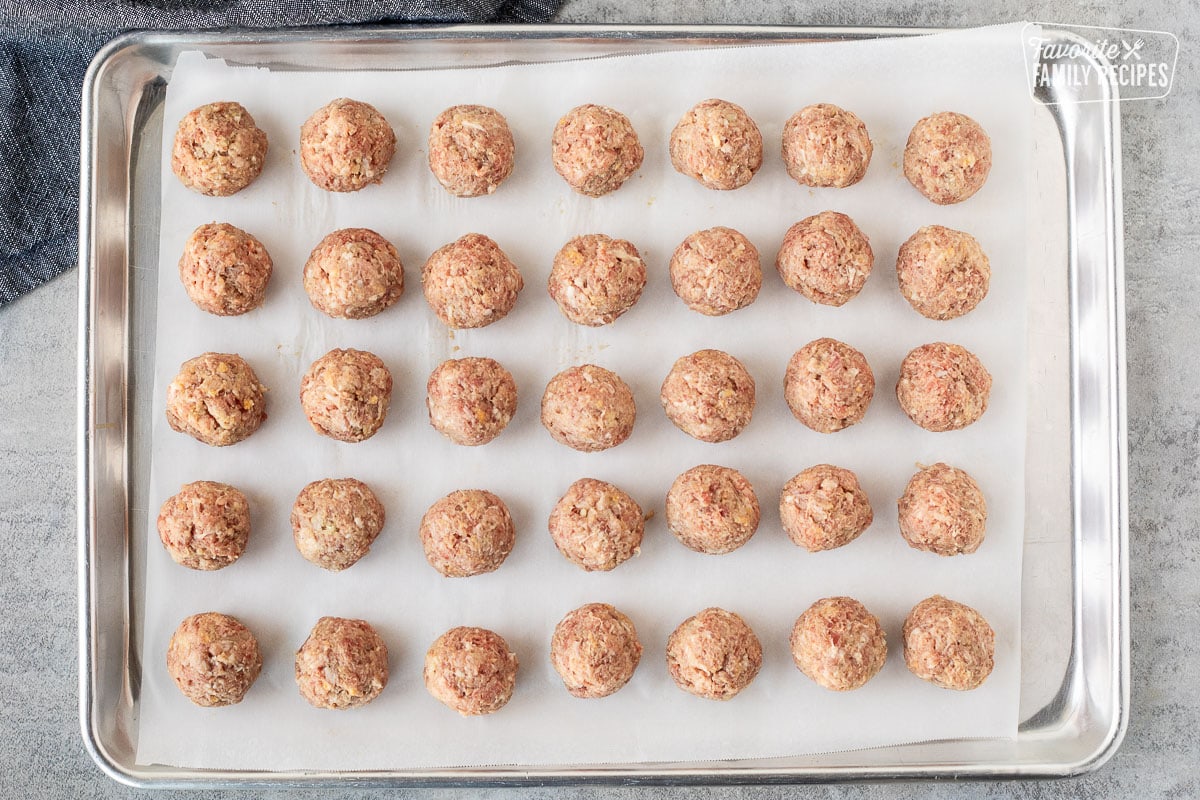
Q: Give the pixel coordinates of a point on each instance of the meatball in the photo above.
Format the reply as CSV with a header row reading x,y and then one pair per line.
x,y
205,526
826,258
595,650
224,270
214,659
595,149
471,283
345,394
826,146
596,525
943,387
596,279
947,157
342,664
334,522
712,509
943,511
714,654
838,643
467,532
828,385
943,273
718,144
218,149
948,644
470,400
716,271
823,508
709,396
471,150
346,145
216,399
353,273
588,408
471,670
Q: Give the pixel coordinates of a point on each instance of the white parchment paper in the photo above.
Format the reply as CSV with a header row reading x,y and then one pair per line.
x,y
890,84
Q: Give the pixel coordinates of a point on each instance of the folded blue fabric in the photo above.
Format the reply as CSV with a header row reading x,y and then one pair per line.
x,y
45,49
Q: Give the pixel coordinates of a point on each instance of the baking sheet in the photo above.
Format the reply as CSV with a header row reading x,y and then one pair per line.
x,y
889,84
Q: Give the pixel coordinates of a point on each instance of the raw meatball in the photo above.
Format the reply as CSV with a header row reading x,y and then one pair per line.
x,y
943,387
342,664
596,279
346,145
334,522
712,509
471,150
948,157
224,270
718,144
827,146
597,526
709,395
948,644
714,654
943,511
471,283
595,650
218,149
216,399
345,394
471,670
838,643
824,507
943,273
828,385
467,532
595,149
213,659
353,273
470,400
826,258
205,526
716,271
588,408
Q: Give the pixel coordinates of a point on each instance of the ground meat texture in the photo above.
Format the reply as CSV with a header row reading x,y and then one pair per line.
x,y
826,146
596,279
214,659
943,511
345,394
334,522
943,273
471,400
823,508
218,149
346,145
595,149
712,509
471,670
718,144
205,526
943,387
595,650
708,395
467,532
471,150
342,664
470,283
714,654
838,643
224,270
216,399
588,408
948,157
826,258
597,526
948,644
716,271
828,385
354,273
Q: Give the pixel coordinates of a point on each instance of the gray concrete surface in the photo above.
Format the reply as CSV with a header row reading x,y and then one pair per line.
x,y
41,753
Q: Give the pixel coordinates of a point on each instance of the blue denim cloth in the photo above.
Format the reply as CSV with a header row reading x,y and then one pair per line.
x,y
45,48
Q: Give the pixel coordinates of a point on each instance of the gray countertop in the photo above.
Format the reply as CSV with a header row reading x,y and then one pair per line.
x,y
42,754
